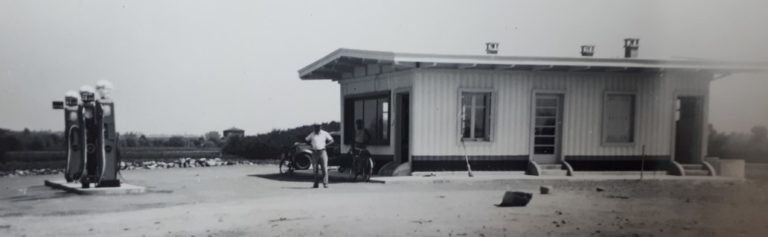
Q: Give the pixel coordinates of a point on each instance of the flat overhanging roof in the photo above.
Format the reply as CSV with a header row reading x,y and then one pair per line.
x,y
342,63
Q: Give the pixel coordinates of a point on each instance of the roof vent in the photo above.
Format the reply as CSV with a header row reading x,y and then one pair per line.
x,y
492,48
630,47
587,50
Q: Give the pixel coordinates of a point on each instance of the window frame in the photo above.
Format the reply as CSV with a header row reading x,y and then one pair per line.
x,y
348,135
490,115
604,119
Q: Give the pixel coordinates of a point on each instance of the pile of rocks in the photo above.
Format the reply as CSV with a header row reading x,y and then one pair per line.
x,y
180,163
29,172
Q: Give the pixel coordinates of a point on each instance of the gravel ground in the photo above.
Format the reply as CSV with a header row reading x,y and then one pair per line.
x,y
254,201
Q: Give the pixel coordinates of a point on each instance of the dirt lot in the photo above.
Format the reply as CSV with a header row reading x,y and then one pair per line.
x,y
253,201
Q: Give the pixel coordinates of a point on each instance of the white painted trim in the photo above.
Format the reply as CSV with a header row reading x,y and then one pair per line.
x,y
572,62
491,116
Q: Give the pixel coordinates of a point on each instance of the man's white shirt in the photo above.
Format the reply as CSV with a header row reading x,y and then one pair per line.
x,y
318,140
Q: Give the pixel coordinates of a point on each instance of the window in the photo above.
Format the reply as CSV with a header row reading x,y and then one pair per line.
x,y
619,118
374,111
475,116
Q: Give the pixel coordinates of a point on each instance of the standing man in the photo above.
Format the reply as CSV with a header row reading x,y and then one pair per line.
x,y
318,139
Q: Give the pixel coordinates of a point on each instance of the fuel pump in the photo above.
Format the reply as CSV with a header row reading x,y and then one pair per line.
x,y
98,121
105,111
90,124
73,134
89,128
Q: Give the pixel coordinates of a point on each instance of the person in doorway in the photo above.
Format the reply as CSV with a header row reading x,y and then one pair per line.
x,y
319,139
362,136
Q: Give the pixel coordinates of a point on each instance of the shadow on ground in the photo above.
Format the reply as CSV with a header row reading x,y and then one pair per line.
x,y
300,177
35,193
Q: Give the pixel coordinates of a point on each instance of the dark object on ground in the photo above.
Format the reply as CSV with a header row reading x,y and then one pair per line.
x,y
618,197
599,189
545,189
515,199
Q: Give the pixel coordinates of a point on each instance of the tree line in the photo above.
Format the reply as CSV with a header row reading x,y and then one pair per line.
x,y
262,146
210,139
270,145
27,140
752,146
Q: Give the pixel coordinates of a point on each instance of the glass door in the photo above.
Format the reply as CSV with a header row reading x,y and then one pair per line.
x,y
546,131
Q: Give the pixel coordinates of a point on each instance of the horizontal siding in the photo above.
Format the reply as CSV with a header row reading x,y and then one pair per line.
x,y
435,100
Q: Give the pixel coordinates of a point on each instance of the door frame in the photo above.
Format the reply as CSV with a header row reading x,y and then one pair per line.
x,y
532,122
398,123
703,98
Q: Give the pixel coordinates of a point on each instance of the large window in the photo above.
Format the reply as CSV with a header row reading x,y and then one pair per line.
x,y
374,111
475,116
619,118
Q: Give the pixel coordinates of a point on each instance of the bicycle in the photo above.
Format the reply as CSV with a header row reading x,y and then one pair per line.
x,y
286,164
362,163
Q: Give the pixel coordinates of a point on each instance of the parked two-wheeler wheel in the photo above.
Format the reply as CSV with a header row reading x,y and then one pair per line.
x,y
362,165
366,169
290,162
286,164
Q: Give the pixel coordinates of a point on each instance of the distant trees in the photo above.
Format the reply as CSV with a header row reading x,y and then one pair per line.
x,y
198,142
176,141
751,147
143,141
30,140
133,139
759,134
272,144
213,136
9,142
210,139
129,139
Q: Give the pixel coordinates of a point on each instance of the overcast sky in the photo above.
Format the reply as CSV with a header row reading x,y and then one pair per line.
x,y
187,67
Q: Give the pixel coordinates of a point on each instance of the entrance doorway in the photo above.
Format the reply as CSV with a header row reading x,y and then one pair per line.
x,y
547,128
688,129
402,127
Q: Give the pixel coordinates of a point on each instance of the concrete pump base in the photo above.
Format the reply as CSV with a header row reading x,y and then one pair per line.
x,y
75,187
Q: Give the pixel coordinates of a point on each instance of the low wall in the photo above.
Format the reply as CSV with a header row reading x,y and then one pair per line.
x,y
728,167
757,171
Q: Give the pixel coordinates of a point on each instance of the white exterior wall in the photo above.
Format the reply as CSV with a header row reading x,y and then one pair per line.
x,y
435,109
392,82
689,84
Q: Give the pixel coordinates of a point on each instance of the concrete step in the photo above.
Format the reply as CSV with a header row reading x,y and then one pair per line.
x,y
553,172
551,166
692,166
700,172
621,173
387,169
